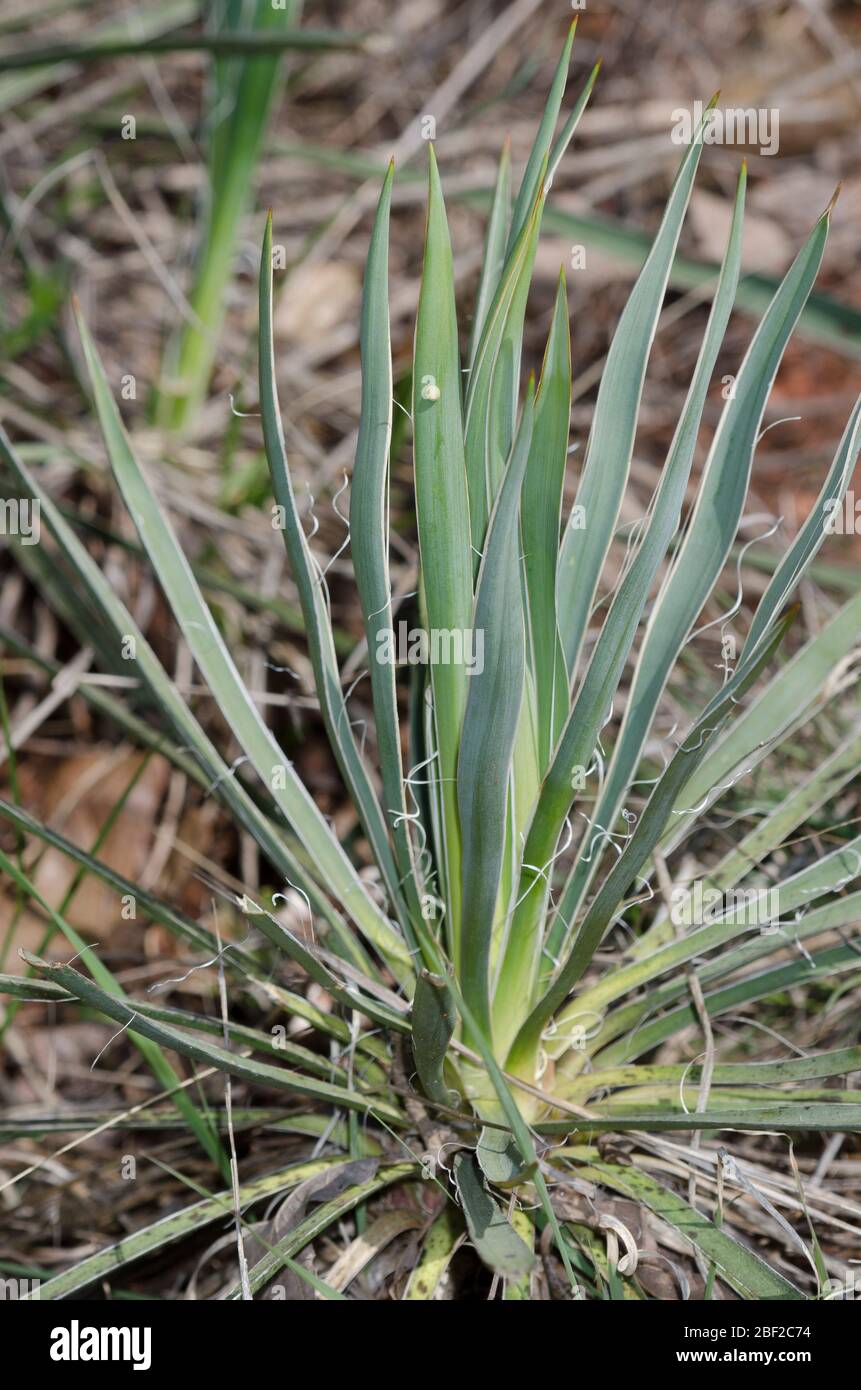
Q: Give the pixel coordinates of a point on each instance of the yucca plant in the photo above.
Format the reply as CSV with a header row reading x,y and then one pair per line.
x,y
482,997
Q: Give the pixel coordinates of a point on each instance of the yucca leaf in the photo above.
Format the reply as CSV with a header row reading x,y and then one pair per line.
x,y
244,1068
506,1106
369,532
534,173
492,383
571,122
835,916
813,530
823,876
182,926
823,783
743,1270
433,1019
498,1157
322,1217
825,319
490,727
637,1037
540,521
796,1115
439,1246
169,1229
36,991
350,986
839,1062
495,364
493,1236
789,694
493,258
442,515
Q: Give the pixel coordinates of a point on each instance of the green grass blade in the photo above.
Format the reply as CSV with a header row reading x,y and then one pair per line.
x,y
249,44
150,24
244,92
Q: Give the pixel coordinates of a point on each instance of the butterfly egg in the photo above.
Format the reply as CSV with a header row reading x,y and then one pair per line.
x,y
430,390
